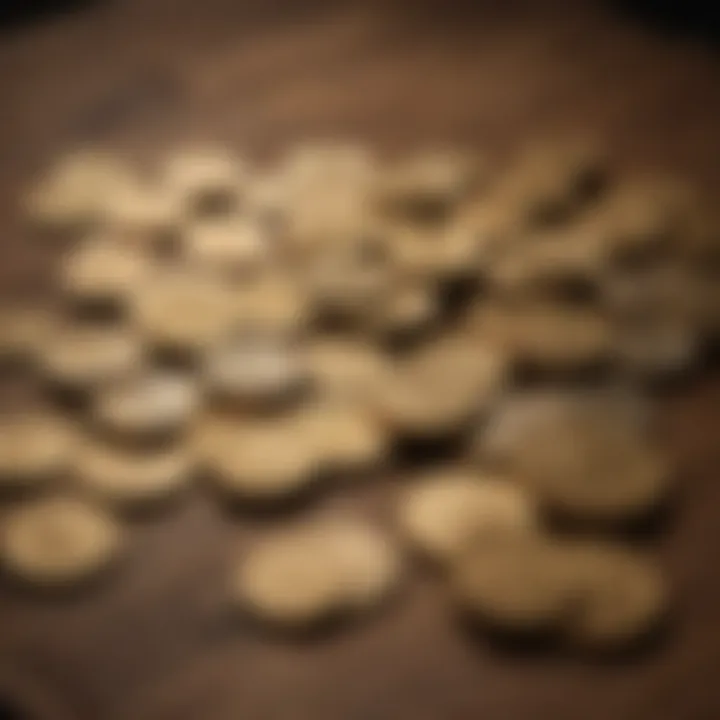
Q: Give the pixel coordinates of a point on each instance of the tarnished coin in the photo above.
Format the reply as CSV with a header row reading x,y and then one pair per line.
x,y
514,583
132,479
623,596
660,316
644,220
59,541
34,448
586,457
146,407
448,511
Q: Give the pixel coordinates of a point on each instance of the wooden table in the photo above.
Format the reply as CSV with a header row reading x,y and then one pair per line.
x,y
157,641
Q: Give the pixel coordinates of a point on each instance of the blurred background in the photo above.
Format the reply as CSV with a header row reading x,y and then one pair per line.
x,y
143,74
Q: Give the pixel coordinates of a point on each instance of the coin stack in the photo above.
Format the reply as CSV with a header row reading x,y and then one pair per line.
x,y
273,330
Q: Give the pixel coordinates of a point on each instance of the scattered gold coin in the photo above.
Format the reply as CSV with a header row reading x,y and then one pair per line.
x,y
448,511
515,583
315,571
623,596
130,479
146,407
588,458
35,449
58,542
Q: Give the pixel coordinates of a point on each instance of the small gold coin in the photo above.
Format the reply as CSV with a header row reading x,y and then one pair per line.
x,y
514,583
34,449
448,511
132,479
146,407
59,541
623,596
586,457
442,388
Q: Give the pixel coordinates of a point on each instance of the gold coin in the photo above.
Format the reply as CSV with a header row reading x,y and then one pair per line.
x,y
548,335
132,479
587,457
319,569
255,371
623,596
348,437
183,311
86,357
442,388
517,583
34,449
103,269
146,407
73,192
206,180
447,511
58,541
427,185
232,247
258,459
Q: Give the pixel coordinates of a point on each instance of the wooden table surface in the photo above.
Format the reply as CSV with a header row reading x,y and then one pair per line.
x,y
156,641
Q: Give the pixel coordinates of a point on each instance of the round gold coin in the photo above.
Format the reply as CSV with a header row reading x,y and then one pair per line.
x,y
88,357
514,583
448,511
258,459
442,388
255,371
132,479
183,311
587,457
322,568
73,193
290,579
58,542
146,407
34,448
103,270
623,596
205,180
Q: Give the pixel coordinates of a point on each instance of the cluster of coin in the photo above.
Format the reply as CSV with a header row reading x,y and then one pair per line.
x,y
276,329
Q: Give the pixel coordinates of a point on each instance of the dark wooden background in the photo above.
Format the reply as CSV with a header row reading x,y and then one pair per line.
x,y
156,641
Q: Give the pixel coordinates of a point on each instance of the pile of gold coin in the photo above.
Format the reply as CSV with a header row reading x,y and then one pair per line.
x,y
273,330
